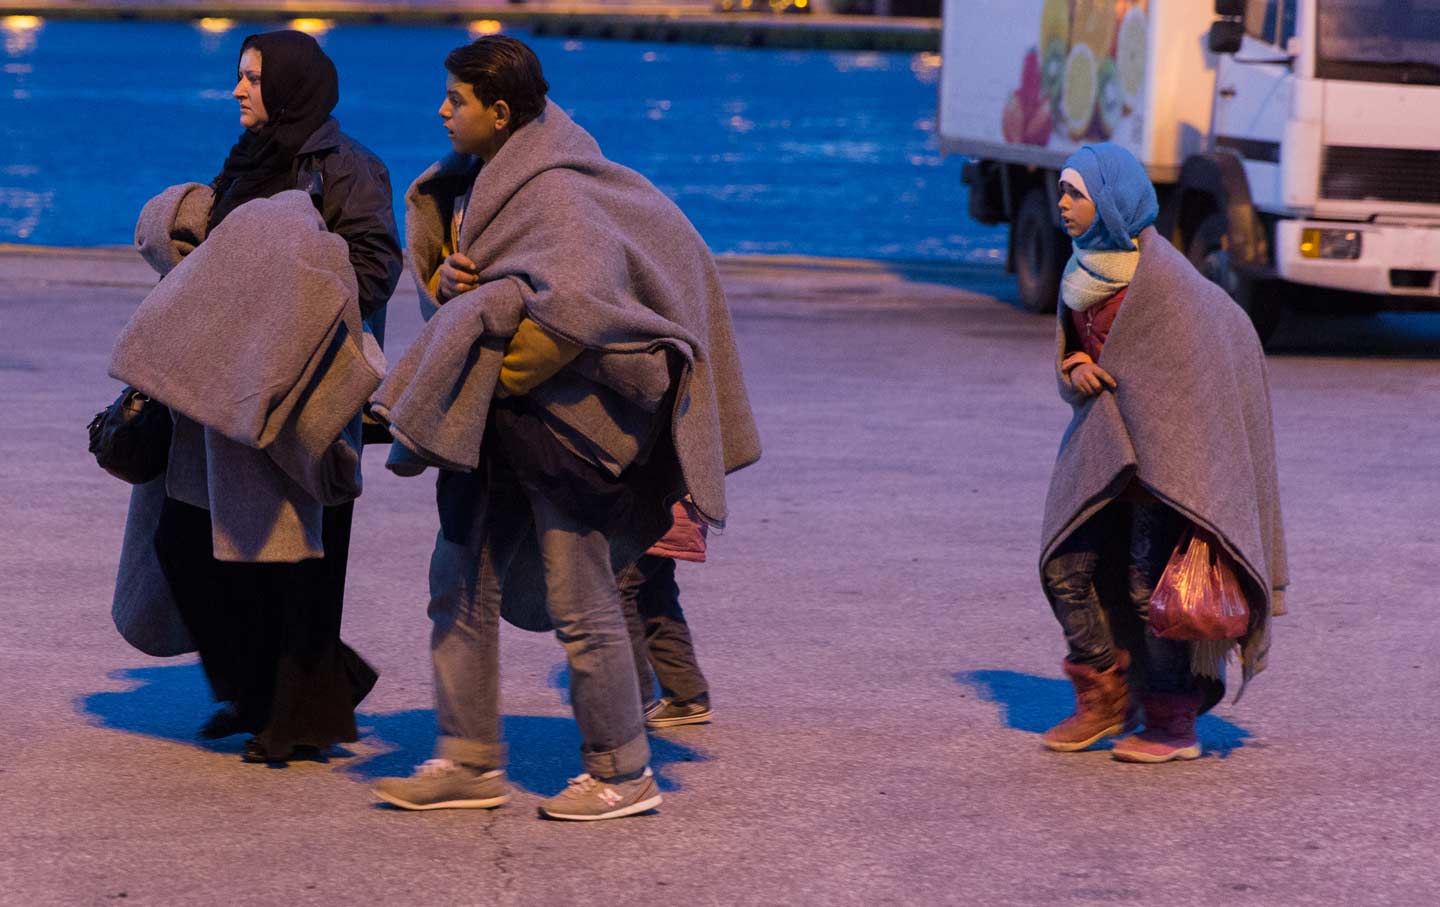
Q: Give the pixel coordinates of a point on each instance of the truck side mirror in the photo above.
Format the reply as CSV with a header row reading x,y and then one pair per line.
x,y
1226,36
1228,31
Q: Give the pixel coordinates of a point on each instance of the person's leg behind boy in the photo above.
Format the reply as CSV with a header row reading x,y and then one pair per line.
x,y
629,582
670,648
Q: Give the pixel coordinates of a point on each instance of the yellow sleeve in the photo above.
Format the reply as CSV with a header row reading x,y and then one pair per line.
x,y
532,356
447,248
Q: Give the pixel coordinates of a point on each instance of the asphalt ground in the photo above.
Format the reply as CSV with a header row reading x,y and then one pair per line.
x,y
871,622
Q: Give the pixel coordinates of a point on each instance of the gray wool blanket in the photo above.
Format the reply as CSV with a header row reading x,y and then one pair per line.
x,y
1189,420
254,340
142,608
172,224
593,253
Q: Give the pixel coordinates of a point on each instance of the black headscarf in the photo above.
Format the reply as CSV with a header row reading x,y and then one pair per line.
x,y
299,87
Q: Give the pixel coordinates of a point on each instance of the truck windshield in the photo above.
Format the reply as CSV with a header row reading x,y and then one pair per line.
x,y
1379,41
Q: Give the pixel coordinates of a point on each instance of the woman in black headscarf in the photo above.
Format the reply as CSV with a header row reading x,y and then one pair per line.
x,y
268,634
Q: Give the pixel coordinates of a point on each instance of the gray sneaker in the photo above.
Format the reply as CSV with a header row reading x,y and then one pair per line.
x,y
442,784
588,799
668,713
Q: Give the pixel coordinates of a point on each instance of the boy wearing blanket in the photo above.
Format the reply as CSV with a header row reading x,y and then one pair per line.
x,y
1171,426
577,375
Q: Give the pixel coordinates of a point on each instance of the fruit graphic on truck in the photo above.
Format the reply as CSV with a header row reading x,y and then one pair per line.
x,y
1083,78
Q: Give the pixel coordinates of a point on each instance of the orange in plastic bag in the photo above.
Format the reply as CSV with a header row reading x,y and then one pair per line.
x,y
1199,595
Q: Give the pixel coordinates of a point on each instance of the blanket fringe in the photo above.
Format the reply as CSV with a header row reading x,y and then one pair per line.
x,y
1208,656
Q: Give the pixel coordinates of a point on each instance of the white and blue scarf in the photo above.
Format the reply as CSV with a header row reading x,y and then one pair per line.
x,y
1106,254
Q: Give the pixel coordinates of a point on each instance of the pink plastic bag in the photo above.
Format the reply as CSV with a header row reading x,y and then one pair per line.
x,y
686,539
1199,596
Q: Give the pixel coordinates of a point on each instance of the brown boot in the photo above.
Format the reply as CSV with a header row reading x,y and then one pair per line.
x,y
1169,730
1102,704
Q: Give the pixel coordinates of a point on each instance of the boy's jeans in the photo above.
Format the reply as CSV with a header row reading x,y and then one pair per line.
x,y
1150,531
465,582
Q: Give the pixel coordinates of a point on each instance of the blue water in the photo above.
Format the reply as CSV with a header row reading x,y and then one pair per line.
x,y
781,152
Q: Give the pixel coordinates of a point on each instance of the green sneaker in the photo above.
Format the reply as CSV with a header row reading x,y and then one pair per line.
x,y
668,713
588,799
442,784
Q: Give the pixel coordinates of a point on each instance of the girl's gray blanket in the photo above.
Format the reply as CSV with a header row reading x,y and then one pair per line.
x,y
255,341
1190,420
593,253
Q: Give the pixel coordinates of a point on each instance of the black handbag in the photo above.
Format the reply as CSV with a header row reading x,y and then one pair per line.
x,y
131,437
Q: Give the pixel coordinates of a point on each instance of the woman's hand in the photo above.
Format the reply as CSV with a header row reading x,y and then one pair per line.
x,y
458,274
1090,379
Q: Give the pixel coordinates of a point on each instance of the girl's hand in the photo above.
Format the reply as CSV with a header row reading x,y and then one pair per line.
x,y
1090,379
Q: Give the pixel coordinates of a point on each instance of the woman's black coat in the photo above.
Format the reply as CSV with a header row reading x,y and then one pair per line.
x,y
352,191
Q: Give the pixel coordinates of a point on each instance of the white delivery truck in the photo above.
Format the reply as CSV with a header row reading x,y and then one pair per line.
x,y
1295,143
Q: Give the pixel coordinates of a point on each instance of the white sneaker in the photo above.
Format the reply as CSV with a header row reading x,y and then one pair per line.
x,y
588,799
442,784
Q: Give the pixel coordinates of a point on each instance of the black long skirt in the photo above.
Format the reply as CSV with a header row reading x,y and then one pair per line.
x,y
269,634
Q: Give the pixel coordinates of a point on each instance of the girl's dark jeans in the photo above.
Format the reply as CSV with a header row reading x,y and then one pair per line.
x,y
658,631
1097,624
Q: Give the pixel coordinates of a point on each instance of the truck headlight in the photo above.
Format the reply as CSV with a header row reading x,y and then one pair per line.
x,y
1317,243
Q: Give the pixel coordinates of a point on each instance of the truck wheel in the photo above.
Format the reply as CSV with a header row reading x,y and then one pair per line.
x,y
1041,251
1262,300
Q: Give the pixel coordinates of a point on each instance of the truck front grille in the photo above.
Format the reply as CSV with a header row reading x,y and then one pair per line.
x,y
1381,174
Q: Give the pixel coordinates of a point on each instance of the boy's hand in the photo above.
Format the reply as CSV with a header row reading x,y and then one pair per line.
x,y
458,274
1090,379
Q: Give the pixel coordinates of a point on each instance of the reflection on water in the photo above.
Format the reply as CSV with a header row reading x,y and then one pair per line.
x,y
213,32
864,60
926,68
731,192
855,152
787,151
740,124
315,27
482,27
20,210
21,33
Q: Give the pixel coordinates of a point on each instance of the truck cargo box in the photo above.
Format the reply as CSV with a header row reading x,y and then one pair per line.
x,y
1029,81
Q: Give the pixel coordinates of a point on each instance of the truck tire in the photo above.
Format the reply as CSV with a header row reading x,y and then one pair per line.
x,y
1041,251
1262,300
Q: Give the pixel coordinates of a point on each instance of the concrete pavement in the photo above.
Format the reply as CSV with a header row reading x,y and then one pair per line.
x,y
871,620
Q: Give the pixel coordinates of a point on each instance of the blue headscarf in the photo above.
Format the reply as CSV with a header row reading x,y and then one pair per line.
x,y
1124,198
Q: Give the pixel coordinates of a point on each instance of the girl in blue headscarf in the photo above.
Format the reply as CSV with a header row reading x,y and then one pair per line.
x,y
1135,469
1171,435
1106,200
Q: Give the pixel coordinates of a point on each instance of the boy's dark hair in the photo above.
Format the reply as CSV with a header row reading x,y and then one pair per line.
x,y
500,68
